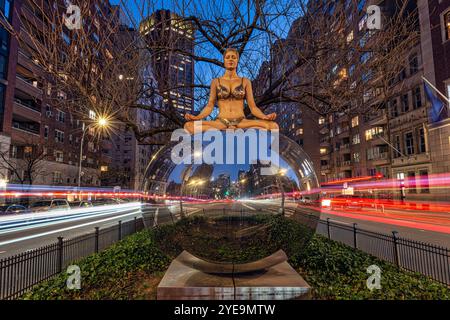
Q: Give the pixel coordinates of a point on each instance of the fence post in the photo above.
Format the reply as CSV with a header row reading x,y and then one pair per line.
x,y
60,254
355,243
120,230
135,224
396,252
328,228
97,233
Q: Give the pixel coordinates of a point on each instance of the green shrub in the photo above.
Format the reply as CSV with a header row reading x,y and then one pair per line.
x,y
106,275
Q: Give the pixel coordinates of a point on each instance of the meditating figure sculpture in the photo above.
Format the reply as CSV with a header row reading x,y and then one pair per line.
x,y
230,92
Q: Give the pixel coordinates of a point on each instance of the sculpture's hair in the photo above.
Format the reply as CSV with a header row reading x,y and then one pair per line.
x,y
232,50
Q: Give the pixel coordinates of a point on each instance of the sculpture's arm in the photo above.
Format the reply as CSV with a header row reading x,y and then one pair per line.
x,y
252,105
210,105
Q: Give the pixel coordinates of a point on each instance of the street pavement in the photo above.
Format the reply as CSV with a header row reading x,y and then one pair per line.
x,y
415,226
27,236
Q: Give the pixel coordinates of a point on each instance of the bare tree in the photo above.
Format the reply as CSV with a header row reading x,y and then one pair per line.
x,y
27,164
312,58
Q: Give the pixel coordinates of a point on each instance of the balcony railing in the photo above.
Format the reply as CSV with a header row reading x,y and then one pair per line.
x,y
26,127
381,156
27,104
29,86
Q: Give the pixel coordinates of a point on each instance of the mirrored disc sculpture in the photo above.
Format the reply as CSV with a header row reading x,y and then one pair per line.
x,y
227,192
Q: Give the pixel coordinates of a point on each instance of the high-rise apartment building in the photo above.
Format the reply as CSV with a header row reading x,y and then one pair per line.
x,y
171,42
34,128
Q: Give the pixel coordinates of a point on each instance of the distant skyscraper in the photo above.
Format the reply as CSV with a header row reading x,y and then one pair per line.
x,y
171,42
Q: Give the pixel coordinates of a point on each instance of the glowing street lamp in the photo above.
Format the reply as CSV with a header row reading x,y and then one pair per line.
x,y
3,183
100,123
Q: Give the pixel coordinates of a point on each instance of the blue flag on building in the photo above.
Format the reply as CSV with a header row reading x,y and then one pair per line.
x,y
437,106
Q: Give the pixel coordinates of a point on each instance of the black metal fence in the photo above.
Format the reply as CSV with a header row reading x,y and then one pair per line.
x,y
415,256
21,272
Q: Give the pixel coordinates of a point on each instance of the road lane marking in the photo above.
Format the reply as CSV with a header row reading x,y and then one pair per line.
x,y
65,229
248,207
53,223
194,212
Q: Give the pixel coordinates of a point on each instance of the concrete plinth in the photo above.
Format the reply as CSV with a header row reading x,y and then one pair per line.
x,y
183,282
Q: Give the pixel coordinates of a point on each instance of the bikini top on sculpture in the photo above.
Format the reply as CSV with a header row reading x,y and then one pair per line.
x,y
238,93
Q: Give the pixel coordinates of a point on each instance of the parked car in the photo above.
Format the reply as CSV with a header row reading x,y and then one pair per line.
x,y
50,205
105,202
80,204
13,209
307,201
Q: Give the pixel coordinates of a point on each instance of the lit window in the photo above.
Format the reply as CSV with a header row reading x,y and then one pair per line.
x,y
447,25
372,133
104,169
92,114
350,37
323,150
321,120
355,121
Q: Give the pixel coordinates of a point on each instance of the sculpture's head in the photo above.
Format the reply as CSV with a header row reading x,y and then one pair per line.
x,y
230,58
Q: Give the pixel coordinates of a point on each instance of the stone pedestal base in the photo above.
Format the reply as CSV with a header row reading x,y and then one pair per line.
x,y
279,282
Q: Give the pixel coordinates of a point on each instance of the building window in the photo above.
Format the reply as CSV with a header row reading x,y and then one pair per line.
x,y
323,151
413,64
300,131
361,5
59,156
405,103
59,136
417,98
355,121
321,120
61,117
447,25
57,177
373,133
350,37
394,108
409,143
398,147
356,139
5,7
356,157
448,90
46,130
422,143
424,182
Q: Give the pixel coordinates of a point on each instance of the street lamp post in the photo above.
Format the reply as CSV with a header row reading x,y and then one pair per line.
x,y
102,123
281,172
3,186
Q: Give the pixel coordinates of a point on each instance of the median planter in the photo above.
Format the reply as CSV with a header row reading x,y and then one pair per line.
x,y
133,267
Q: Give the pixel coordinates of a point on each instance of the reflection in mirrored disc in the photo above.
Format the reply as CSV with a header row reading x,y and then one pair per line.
x,y
223,195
